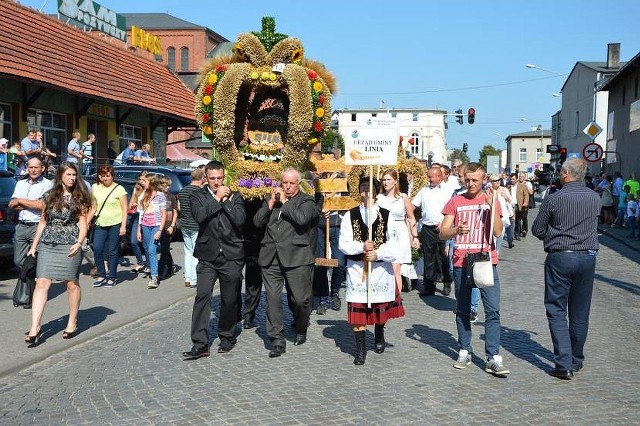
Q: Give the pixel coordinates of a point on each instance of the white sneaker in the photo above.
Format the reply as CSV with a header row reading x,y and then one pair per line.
x,y
464,359
153,283
494,366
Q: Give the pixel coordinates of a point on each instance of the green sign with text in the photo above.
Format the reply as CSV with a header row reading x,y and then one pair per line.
x,y
93,15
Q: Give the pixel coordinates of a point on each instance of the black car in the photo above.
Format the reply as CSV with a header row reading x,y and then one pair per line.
x,y
8,217
179,177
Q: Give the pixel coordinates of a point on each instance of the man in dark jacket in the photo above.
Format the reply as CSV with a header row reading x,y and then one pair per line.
x,y
220,214
287,256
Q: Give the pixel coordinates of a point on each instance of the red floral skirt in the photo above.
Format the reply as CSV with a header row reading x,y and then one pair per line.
x,y
378,313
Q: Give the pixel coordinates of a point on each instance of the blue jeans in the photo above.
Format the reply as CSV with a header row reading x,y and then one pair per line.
x,y
190,262
106,240
151,247
86,169
491,302
568,285
136,246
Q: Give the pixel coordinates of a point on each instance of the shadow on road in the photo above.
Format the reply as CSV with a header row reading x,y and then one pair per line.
x,y
441,340
89,318
520,344
631,288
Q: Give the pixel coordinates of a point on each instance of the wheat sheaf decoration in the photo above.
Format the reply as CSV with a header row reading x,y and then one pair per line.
x,y
264,107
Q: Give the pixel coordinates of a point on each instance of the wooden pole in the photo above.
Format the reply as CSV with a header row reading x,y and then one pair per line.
x,y
370,232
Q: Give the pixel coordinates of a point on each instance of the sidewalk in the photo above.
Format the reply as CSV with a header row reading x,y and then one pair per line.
x,y
101,311
621,235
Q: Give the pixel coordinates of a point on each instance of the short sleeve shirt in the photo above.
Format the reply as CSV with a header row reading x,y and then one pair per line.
x,y
75,147
476,213
111,213
152,215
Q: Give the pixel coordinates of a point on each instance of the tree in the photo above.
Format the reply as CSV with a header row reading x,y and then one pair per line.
x,y
458,154
331,140
487,150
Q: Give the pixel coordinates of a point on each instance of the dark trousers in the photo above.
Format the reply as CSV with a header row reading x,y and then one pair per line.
x,y
252,280
165,264
298,284
106,242
320,280
522,221
434,258
568,279
229,274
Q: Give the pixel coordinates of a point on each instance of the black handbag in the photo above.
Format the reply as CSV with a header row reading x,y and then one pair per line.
x,y
22,293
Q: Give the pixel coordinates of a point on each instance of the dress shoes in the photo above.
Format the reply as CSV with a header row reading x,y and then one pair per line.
x,y
277,351
249,324
194,353
577,368
561,374
300,339
446,289
225,346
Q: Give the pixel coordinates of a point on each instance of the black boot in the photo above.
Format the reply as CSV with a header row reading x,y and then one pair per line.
x,y
380,343
361,347
406,285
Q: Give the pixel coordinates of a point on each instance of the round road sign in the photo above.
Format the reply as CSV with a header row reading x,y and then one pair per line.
x,y
592,152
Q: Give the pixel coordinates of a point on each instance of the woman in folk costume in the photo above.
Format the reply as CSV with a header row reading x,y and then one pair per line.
x,y
358,247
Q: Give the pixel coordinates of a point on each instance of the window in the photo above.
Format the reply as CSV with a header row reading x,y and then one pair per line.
x,y
53,126
394,114
416,147
523,155
5,122
577,128
171,58
130,134
184,59
415,116
374,114
538,153
353,117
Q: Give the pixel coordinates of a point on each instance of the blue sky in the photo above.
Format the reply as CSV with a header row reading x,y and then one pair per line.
x,y
434,54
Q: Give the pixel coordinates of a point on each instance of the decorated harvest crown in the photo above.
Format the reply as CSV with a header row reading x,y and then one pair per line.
x,y
264,107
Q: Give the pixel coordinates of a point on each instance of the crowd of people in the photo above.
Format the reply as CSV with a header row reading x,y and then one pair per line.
x,y
81,153
459,219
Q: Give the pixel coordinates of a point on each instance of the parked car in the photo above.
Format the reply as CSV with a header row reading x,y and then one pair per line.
x,y
179,177
128,184
8,217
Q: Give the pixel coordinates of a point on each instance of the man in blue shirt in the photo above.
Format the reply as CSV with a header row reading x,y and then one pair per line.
x,y
30,146
127,155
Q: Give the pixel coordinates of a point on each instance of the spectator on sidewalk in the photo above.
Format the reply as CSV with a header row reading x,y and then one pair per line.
x,y
111,152
110,206
166,265
632,214
189,227
30,146
87,154
74,150
27,200
142,156
568,224
58,241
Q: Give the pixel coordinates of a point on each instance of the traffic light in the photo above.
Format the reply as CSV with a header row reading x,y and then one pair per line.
x,y
465,147
563,155
459,117
471,116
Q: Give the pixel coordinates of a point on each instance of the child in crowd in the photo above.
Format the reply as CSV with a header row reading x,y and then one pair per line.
x,y
622,207
166,267
632,210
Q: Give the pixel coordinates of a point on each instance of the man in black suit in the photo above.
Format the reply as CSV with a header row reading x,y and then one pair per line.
x,y
287,256
219,248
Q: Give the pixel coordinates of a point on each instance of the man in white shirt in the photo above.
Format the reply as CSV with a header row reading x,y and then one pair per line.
x,y
431,199
87,154
27,199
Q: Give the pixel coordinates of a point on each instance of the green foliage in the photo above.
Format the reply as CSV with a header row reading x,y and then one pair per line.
x,y
330,140
485,151
458,154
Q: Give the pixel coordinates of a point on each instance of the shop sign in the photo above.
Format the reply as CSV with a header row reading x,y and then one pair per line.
x,y
93,15
144,40
102,110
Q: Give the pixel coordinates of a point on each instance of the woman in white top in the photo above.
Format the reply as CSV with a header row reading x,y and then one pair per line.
x,y
402,223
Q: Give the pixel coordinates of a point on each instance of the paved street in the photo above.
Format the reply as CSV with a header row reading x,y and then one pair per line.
x,y
124,370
